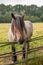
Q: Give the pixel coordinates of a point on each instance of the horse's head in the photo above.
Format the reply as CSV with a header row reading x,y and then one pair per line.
x,y
17,27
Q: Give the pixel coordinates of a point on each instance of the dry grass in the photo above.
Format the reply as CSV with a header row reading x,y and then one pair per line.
x,y
4,28
37,31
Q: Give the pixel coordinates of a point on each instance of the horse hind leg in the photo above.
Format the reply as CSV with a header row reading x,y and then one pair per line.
x,y
28,45
14,58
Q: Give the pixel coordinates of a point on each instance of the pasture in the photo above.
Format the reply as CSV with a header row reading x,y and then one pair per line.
x,y
37,31
4,28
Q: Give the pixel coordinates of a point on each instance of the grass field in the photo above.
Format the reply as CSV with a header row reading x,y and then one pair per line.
x,y
4,28
37,31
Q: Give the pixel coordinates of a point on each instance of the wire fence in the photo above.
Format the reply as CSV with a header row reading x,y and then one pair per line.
x,y
10,54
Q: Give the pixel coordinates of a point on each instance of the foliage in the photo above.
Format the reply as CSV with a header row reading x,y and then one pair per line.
x,y
33,12
32,18
41,17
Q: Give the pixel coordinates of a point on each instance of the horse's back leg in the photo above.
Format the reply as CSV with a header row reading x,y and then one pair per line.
x,y
14,58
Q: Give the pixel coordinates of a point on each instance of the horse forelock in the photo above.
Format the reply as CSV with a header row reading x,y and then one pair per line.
x,y
19,25
19,21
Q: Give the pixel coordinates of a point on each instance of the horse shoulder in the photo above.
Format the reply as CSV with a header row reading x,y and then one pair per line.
x,y
29,27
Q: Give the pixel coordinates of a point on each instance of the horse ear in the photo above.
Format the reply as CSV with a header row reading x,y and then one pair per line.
x,y
13,15
23,15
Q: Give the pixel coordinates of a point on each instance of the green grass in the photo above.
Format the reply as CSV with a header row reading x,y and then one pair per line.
x,y
37,31
4,28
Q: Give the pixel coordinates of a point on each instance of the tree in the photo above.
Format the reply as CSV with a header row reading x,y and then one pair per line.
x,y
41,17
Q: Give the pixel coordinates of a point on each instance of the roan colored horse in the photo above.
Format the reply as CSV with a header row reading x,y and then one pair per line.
x,y
19,31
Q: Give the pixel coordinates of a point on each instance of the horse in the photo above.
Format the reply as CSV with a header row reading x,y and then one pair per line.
x,y
19,31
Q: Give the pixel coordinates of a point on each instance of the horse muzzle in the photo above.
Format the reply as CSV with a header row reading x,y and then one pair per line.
x,y
21,41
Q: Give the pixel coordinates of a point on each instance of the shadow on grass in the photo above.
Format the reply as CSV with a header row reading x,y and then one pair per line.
x,y
32,61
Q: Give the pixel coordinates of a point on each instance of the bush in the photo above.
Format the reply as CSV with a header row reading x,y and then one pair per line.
x,y
41,17
32,18
6,18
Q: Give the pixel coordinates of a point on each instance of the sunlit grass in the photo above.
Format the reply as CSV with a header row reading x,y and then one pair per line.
x,y
37,31
4,28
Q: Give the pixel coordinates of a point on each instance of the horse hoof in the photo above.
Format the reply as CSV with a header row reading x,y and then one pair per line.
x,y
21,41
14,59
23,56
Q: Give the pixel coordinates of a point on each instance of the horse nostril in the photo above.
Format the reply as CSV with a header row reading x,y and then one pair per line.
x,y
21,41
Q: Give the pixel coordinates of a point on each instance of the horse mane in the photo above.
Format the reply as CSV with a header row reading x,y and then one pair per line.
x,y
21,22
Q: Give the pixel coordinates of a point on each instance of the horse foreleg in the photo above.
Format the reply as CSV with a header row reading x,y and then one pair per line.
x,y
14,58
24,50
24,46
